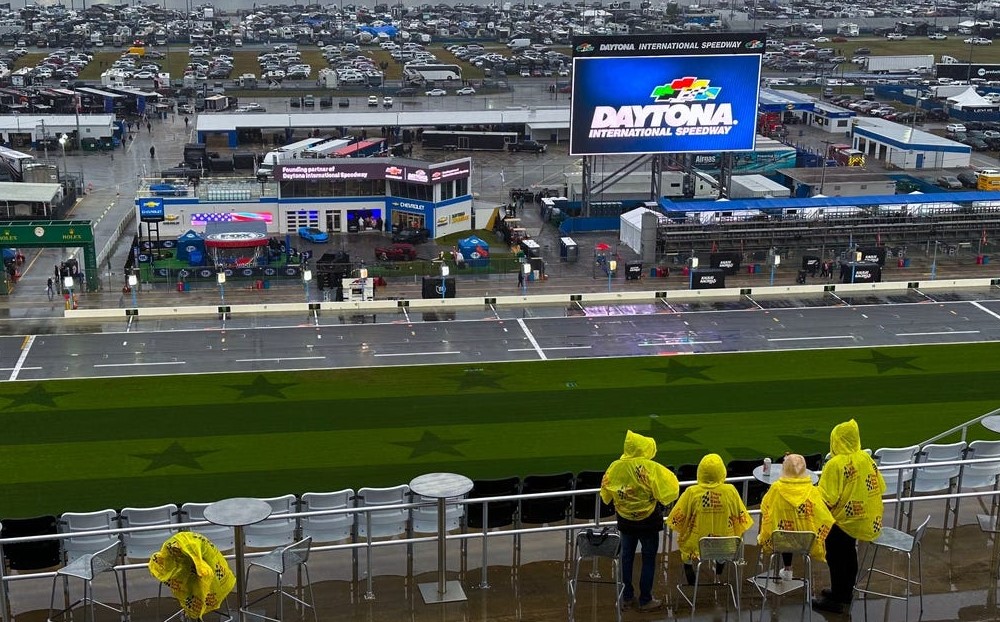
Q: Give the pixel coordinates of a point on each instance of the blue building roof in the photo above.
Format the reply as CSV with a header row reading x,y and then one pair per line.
x,y
772,100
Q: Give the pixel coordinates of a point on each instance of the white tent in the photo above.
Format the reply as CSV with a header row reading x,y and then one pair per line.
x,y
969,98
630,231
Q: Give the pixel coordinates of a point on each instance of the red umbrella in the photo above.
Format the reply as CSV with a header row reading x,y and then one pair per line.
x,y
601,246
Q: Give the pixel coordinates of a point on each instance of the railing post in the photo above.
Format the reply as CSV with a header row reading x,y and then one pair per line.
x,y
484,581
4,602
370,592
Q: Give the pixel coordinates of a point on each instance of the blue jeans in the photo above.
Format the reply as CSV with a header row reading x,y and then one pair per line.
x,y
650,544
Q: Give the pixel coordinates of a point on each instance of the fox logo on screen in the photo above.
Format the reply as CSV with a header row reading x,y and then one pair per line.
x,y
684,107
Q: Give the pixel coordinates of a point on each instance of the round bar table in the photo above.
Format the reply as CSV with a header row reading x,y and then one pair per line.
x,y
238,513
442,486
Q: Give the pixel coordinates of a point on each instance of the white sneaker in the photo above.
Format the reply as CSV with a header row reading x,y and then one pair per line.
x,y
785,574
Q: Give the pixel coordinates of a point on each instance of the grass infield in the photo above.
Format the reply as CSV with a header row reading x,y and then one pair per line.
x,y
89,444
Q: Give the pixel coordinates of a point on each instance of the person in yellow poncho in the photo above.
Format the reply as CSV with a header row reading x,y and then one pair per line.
x,y
852,487
793,504
639,487
709,508
195,571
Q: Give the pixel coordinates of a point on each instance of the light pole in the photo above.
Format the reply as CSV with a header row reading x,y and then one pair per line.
x,y
63,139
307,276
221,278
444,275
68,285
612,265
775,262
934,261
133,282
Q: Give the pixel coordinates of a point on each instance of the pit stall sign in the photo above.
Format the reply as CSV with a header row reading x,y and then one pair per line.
x,y
688,93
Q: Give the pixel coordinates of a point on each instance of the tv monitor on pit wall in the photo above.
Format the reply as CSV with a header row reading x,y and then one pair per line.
x,y
686,93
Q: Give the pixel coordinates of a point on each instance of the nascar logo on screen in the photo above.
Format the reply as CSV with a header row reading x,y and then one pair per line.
x,y
664,104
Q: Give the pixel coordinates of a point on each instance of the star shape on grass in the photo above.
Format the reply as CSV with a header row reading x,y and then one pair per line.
x,y
472,378
663,433
174,455
262,387
885,362
37,395
804,445
431,443
675,370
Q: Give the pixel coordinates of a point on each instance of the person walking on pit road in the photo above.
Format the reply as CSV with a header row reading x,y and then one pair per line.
x,y
152,151
50,289
639,488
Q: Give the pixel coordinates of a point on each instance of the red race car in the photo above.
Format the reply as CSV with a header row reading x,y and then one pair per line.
x,y
396,252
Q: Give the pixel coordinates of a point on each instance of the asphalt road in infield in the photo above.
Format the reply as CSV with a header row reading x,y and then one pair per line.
x,y
480,335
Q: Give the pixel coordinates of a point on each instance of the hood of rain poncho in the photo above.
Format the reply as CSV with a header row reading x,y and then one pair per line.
x,y
638,446
196,572
793,490
845,438
711,471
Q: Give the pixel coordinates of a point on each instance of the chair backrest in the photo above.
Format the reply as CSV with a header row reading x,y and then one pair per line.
x,y
929,479
78,546
918,533
499,513
799,542
105,559
550,509
273,531
687,472
892,456
384,523
598,543
295,554
721,548
743,468
983,474
142,544
31,555
424,517
222,537
586,507
814,462
332,527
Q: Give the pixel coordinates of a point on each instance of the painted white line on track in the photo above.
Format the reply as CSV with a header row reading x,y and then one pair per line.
x,y
140,364
417,353
982,308
677,343
531,338
941,332
552,348
22,368
25,348
283,358
811,338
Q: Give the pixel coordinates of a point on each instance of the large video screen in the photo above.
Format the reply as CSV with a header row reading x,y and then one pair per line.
x,y
691,93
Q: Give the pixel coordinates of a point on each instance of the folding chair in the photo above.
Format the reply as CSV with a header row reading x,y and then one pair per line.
x,y
591,544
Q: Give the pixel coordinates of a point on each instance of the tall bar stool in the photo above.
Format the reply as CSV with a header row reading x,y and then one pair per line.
x,y
86,567
713,550
897,543
796,543
594,545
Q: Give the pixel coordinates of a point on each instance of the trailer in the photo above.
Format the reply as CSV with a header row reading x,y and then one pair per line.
x,y
327,149
14,162
900,64
467,141
360,149
218,103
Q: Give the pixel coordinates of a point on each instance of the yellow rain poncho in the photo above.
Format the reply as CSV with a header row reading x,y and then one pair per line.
x,y
794,504
195,571
709,508
852,485
635,483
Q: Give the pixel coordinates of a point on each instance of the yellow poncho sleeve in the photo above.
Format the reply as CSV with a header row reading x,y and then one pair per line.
x,y
195,571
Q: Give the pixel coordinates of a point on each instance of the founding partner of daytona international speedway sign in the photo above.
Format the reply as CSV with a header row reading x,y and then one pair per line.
x,y
690,93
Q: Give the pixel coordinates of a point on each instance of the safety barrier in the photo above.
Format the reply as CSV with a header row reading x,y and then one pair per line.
x,y
680,295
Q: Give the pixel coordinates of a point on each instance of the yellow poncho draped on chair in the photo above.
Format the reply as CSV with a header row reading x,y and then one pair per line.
x,y
195,571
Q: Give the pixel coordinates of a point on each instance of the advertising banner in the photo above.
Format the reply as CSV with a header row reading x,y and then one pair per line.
x,y
151,209
432,287
874,255
860,272
727,262
351,170
691,93
708,278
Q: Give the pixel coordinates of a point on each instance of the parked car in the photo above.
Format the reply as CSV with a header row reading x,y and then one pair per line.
x,y
526,145
468,90
949,182
937,36
168,190
896,36
344,102
955,128
185,109
968,179
312,234
436,93
373,101
387,102
406,92
397,252
410,235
